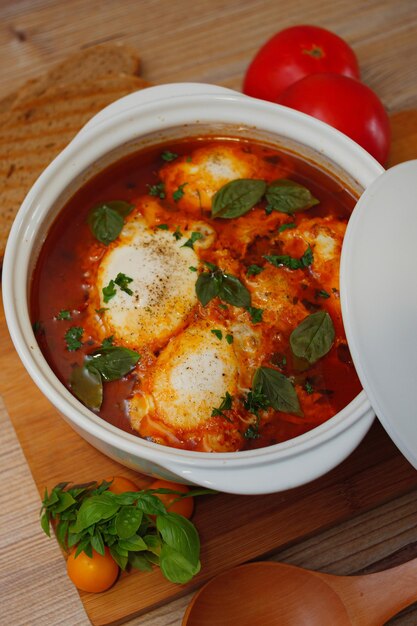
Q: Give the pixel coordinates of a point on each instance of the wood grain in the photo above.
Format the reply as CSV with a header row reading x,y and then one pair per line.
x,y
197,40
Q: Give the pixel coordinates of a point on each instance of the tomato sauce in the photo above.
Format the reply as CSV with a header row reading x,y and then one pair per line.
x,y
61,282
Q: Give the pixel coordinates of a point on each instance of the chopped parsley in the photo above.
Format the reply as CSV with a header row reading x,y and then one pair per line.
x,y
225,405
286,226
189,159
101,310
179,193
72,338
255,401
218,333
322,293
163,226
229,339
157,190
195,236
252,431
109,291
255,314
308,387
123,281
285,260
177,233
36,327
223,306
107,342
169,156
192,268
63,315
253,270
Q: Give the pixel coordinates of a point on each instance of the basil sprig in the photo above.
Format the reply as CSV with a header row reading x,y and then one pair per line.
x,y
237,197
135,526
106,220
105,364
216,283
277,389
287,196
314,337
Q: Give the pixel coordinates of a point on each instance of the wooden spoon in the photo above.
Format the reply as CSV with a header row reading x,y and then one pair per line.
x,y
276,594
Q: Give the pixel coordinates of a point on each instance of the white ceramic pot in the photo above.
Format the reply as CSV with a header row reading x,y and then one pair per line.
x,y
147,117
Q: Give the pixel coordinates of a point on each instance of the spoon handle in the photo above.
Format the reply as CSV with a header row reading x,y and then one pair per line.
x,y
373,599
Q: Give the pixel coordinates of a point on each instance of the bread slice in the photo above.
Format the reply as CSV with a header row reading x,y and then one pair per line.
x,y
42,118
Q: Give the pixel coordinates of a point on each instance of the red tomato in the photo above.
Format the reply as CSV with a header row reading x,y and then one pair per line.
x,y
348,105
120,484
184,506
294,53
92,574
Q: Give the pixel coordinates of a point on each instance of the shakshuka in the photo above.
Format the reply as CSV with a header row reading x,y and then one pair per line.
x,y
189,293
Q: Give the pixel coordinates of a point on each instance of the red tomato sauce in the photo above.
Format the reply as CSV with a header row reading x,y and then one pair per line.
x,y
59,283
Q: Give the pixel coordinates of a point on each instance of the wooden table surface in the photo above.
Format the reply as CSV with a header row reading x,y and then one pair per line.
x,y
210,41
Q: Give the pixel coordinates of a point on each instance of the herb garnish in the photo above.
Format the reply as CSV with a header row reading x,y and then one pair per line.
x,y
229,339
308,387
288,196
123,281
72,338
63,315
225,286
101,310
322,293
179,193
107,342
195,236
285,260
313,337
106,220
169,156
135,526
157,190
217,332
270,388
163,226
237,197
192,268
105,364
225,405
177,234
253,270
255,314
287,226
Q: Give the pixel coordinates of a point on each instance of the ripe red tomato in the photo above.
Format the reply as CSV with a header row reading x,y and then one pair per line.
x,y
348,105
184,506
92,574
294,53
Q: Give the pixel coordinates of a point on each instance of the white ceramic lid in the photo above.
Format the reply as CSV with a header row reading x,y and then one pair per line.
x,y
378,282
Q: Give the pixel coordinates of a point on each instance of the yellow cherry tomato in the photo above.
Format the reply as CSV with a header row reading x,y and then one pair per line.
x,y
120,484
184,506
92,574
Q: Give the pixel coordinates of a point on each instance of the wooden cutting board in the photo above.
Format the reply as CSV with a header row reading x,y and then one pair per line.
x,y
233,529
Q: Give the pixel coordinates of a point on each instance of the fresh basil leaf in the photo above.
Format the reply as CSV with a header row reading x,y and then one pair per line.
x,y
207,286
314,337
278,390
180,534
95,509
288,196
112,362
153,543
253,270
176,567
237,197
106,222
133,544
65,501
233,291
97,543
139,561
121,559
45,524
87,386
151,505
128,521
